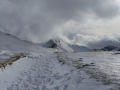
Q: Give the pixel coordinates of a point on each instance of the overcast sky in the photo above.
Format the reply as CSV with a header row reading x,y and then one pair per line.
x,y
93,23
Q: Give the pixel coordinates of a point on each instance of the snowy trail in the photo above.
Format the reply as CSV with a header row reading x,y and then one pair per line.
x,y
44,72
40,76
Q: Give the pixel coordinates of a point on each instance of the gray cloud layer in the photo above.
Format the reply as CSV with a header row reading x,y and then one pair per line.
x,y
97,42
36,20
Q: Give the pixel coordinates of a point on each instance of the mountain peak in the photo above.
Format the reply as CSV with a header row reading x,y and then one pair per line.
x,y
63,46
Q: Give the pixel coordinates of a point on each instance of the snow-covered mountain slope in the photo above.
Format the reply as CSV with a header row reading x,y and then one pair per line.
x,y
78,48
11,43
62,46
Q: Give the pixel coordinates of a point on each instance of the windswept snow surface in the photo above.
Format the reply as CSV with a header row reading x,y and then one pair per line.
x,y
103,66
44,72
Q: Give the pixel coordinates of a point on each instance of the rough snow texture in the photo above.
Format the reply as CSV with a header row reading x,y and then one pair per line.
x,y
103,66
63,46
44,72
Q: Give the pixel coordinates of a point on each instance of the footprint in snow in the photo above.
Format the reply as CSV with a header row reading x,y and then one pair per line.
x,y
65,87
57,77
66,74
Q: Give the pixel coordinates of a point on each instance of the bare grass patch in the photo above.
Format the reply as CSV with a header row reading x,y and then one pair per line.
x,y
13,58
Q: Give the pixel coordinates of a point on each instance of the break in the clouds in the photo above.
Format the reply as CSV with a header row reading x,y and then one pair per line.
x,y
40,20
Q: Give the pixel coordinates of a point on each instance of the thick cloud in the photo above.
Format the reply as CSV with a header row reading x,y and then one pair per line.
x,y
97,42
69,9
40,20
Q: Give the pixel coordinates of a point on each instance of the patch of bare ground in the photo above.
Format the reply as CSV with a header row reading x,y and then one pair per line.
x,y
13,58
116,52
57,52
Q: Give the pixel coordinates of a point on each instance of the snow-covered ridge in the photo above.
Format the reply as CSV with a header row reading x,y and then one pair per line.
x,y
12,43
63,46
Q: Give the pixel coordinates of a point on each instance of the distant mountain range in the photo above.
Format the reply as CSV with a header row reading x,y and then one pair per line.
x,y
12,43
9,42
63,46
109,48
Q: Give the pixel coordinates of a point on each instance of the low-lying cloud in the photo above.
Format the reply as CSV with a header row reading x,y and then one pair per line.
x,y
40,20
97,42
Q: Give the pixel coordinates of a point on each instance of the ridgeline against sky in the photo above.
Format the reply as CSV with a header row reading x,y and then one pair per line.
x,y
85,22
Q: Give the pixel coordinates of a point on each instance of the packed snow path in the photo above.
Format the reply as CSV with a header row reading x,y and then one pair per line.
x,y
44,72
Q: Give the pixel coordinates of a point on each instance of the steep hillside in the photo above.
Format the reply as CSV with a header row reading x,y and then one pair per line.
x,y
11,43
62,46
78,48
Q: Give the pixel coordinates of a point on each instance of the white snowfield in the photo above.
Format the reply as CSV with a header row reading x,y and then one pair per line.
x,y
44,72
26,66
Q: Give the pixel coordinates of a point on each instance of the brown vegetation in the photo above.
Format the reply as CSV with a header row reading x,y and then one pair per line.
x,y
12,59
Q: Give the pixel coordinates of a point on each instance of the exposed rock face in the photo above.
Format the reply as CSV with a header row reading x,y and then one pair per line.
x,y
108,48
